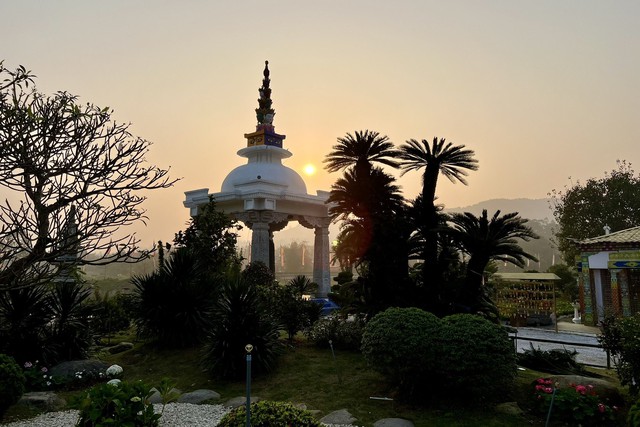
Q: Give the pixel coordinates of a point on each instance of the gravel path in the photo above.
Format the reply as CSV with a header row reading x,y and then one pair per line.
x,y
175,415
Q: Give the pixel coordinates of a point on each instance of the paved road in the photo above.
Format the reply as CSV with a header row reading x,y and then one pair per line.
x,y
586,355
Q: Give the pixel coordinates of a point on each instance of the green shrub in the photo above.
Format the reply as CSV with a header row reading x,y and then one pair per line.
x,y
479,361
620,338
633,417
345,334
269,414
240,317
172,303
294,312
111,313
12,382
122,404
555,361
402,344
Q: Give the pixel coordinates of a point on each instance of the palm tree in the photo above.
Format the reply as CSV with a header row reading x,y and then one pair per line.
x,y
453,161
486,240
376,195
361,151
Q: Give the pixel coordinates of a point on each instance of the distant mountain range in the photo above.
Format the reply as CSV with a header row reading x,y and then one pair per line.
x,y
527,208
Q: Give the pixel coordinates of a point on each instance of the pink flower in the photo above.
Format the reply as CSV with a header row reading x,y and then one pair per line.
x,y
601,407
581,389
548,390
28,364
44,369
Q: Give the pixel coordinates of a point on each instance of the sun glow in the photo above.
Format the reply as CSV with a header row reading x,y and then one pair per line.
x,y
309,169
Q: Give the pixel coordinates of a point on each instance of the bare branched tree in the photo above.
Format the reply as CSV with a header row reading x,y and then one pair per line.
x,y
66,163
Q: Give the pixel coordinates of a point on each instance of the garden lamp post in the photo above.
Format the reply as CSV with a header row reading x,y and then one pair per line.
x,y
248,348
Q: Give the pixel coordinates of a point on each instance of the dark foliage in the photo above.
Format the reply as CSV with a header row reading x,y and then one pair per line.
x,y
478,360
49,323
620,338
344,333
68,332
402,344
555,361
583,209
172,304
24,313
240,317
270,414
12,383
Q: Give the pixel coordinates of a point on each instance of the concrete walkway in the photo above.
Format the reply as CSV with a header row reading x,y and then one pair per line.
x,y
571,335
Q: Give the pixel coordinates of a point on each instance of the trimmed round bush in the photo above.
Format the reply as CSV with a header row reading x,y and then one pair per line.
x,y
402,344
11,382
269,414
479,361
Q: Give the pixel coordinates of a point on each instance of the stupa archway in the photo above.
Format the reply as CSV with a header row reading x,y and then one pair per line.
x,y
265,195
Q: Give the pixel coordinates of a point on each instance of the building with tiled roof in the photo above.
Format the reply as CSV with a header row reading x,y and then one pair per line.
x,y
609,275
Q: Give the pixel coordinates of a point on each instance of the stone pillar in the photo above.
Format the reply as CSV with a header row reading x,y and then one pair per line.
x,y
260,242
321,271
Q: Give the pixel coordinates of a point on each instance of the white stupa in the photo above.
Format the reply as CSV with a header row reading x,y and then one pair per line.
x,y
265,195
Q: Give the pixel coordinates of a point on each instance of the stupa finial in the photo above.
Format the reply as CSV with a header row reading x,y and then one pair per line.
x,y
264,112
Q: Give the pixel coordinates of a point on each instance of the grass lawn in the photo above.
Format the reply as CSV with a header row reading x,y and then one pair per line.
x,y
311,376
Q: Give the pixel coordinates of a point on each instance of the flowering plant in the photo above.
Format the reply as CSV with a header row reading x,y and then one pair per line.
x,y
123,404
576,404
38,377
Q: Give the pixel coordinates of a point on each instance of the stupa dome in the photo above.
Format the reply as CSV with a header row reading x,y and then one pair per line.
x,y
264,171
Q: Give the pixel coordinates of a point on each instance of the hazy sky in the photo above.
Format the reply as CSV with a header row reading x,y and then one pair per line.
x,y
541,90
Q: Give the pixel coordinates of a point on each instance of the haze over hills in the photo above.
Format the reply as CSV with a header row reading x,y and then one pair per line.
x,y
527,208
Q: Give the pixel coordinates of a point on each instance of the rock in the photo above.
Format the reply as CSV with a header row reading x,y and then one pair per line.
x,y
89,367
341,416
119,348
44,400
509,408
241,400
393,422
155,395
199,396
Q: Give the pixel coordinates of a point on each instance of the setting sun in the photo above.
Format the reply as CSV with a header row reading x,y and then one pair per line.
x,y
309,169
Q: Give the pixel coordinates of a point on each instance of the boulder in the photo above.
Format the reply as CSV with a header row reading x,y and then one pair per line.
x,y
89,367
120,347
509,408
157,398
44,400
341,416
240,401
199,396
393,422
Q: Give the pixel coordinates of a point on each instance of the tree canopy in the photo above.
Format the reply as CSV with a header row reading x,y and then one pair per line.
x,y
65,163
584,209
